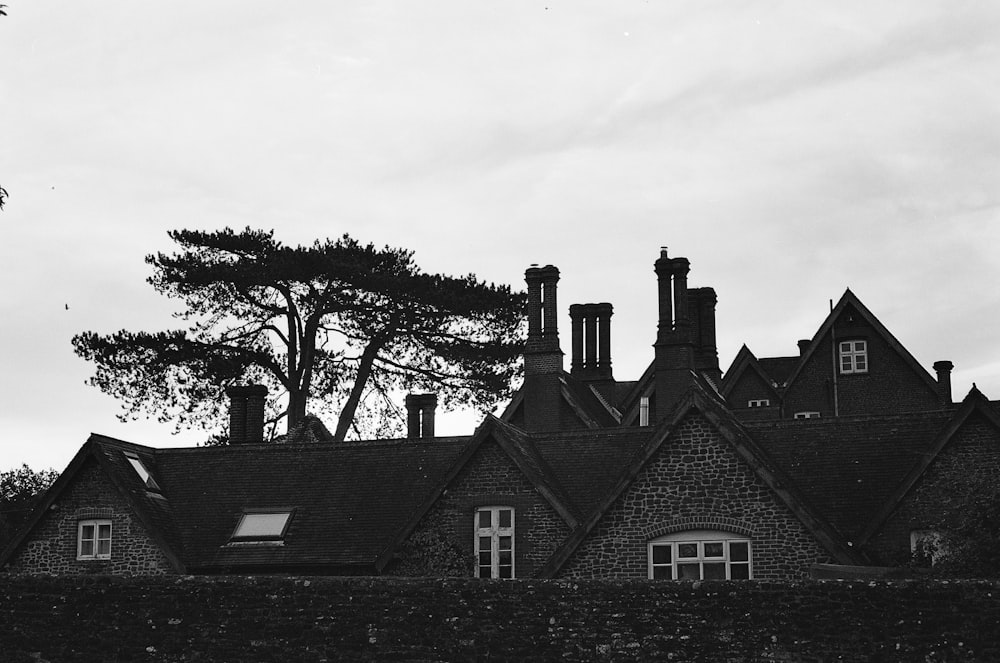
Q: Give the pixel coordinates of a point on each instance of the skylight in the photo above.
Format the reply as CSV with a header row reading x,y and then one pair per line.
x,y
143,473
262,526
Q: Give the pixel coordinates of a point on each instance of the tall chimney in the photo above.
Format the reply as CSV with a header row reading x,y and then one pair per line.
x,y
674,347
804,345
543,359
943,369
246,413
706,354
420,410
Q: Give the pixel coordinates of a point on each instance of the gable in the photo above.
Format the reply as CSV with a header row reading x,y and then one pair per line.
x,y
892,381
488,478
50,546
695,480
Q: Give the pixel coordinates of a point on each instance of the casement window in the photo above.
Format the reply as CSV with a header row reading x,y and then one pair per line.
x,y
760,402
853,357
495,542
809,414
262,526
93,539
700,555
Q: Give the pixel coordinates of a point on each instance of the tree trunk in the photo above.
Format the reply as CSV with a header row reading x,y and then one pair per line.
x,y
351,406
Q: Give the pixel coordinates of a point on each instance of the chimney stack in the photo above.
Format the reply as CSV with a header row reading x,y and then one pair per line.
x,y
420,415
674,347
943,369
803,345
246,413
543,359
591,341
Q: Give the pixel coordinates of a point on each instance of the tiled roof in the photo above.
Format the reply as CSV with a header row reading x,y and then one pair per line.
x,y
778,368
847,467
349,500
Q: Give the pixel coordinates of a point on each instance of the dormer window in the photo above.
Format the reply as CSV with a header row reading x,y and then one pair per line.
x,y
853,357
144,475
759,402
262,526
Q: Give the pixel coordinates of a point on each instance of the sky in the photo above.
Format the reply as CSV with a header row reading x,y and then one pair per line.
x,y
789,150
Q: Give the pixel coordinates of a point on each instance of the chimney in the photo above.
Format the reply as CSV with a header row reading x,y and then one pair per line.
x,y
803,346
420,415
674,349
543,359
706,355
943,369
591,341
246,413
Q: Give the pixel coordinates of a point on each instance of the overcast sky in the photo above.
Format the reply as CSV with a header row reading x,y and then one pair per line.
x,y
788,150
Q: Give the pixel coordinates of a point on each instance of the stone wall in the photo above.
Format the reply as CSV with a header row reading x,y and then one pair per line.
x,y
696,481
53,545
367,619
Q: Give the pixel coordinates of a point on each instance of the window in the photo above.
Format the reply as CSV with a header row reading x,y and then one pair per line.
x,y
760,402
143,473
700,555
93,540
853,357
807,415
262,526
495,542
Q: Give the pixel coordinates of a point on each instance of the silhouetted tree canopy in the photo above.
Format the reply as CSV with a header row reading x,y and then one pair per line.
x,y
19,488
338,326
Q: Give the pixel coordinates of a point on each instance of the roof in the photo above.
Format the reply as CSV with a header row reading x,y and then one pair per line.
x,y
846,468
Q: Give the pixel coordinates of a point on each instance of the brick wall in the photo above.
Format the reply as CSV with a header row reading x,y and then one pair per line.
x,y
489,479
889,386
365,619
972,456
53,546
696,481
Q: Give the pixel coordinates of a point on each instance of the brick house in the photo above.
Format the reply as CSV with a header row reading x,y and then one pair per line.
x,y
681,474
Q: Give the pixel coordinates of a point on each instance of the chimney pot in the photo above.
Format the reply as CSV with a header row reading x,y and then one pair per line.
x,y
943,369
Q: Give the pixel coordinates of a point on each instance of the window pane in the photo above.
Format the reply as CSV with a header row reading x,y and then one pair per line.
x,y
661,554
739,551
485,571
485,558
506,543
506,572
262,525
104,531
687,550
739,571
485,519
484,543
714,549
505,558
688,572
662,573
87,532
505,517
104,547
715,571
87,548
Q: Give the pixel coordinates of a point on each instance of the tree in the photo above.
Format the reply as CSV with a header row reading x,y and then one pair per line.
x,y
340,320
968,541
3,191
19,489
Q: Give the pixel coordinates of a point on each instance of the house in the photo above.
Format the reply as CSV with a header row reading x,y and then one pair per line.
x,y
681,474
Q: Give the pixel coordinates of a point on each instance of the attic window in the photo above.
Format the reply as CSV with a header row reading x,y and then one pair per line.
x,y
807,415
144,475
760,402
853,357
262,526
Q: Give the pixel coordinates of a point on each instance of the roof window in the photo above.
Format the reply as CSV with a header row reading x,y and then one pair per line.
x,y
143,473
262,526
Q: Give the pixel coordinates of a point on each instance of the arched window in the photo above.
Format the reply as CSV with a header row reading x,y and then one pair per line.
x,y
700,555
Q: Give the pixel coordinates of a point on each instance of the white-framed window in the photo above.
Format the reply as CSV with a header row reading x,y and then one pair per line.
x,y
700,555
759,402
853,357
93,539
495,542
808,414
262,526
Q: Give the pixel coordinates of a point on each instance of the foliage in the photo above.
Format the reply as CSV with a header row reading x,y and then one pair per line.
x,y
970,546
427,554
18,490
348,323
3,191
